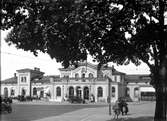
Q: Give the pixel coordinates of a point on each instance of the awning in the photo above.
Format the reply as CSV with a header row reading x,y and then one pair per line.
x,y
147,89
40,88
47,90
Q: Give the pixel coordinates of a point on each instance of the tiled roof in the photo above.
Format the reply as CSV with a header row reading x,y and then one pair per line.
x,y
24,70
29,70
46,79
114,71
79,64
137,78
12,80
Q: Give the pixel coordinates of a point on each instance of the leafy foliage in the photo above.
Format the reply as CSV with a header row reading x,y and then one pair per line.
x,y
69,30
47,26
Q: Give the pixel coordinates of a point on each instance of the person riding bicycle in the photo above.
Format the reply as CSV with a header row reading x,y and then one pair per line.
x,y
6,105
123,106
116,109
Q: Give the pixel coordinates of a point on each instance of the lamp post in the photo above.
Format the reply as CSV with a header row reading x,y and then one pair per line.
x,y
109,94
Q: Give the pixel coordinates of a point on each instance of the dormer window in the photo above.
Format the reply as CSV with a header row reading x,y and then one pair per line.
x,y
113,91
90,75
115,79
66,76
83,75
121,78
83,70
76,75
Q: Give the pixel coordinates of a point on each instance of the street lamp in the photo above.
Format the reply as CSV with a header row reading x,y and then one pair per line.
x,y
109,94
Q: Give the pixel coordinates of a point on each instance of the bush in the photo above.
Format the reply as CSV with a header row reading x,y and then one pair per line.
x,y
126,99
15,98
21,98
36,98
28,98
101,99
75,99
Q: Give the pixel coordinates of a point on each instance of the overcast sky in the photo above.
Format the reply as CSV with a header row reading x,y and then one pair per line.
x,y
13,59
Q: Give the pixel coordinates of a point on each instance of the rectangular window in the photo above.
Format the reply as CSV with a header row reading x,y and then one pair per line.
x,y
115,79
58,91
113,91
23,79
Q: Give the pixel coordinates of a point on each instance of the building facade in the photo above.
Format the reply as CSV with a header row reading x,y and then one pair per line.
x,y
139,88
83,81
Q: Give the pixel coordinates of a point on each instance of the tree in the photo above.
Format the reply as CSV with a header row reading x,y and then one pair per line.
x,y
48,26
68,30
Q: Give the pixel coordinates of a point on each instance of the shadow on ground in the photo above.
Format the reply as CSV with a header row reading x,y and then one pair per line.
x,y
146,118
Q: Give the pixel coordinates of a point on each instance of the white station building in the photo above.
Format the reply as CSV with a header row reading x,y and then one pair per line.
x,y
83,81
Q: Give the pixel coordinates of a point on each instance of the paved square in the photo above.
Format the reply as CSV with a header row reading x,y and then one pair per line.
x,y
143,111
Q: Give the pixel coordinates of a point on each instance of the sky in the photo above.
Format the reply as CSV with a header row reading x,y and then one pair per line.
x,y
13,59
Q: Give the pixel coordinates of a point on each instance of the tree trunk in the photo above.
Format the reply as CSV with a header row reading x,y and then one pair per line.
x,y
161,104
161,93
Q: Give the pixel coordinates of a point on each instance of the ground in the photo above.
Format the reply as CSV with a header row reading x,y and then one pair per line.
x,y
142,111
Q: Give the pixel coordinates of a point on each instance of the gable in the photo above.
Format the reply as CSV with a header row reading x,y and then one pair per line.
x,y
84,70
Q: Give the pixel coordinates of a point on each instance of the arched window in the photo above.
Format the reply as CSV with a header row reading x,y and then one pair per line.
x,y
78,91
99,92
71,91
76,75
136,92
90,75
34,91
58,91
6,92
42,93
12,92
86,93
83,77
127,92
23,92
113,91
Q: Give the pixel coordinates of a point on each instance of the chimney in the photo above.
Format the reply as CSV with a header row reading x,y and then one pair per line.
x,y
51,79
15,75
36,69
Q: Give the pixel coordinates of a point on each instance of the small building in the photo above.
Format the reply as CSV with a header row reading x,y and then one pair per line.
x,y
139,88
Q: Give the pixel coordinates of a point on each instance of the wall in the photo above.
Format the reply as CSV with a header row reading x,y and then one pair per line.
x,y
131,87
9,87
24,85
105,92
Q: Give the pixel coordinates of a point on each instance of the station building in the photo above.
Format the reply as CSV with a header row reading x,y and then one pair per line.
x,y
84,81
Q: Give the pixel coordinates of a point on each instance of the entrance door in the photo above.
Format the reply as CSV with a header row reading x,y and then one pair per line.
x,y
42,93
86,93
5,92
71,91
78,91
23,92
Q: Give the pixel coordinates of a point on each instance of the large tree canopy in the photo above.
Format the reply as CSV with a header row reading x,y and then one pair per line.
x,y
47,26
110,30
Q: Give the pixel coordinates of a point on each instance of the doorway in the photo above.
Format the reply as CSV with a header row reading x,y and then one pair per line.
x,y
86,93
